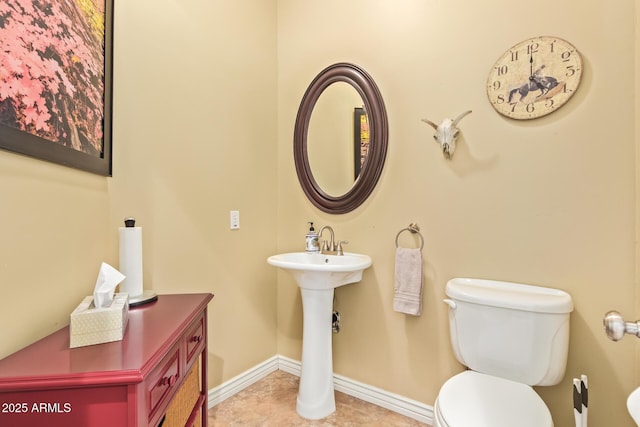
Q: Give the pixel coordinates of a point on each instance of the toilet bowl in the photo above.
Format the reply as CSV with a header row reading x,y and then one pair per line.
x,y
473,399
511,337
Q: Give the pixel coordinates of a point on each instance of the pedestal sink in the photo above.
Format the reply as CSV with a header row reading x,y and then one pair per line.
x,y
317,276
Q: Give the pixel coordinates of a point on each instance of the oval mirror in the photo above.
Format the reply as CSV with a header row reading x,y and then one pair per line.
x,y
345,169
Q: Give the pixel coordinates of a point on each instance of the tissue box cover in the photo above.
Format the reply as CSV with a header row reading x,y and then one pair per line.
x,y
90,325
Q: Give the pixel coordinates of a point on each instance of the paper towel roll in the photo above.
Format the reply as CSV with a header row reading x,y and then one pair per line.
x,y
131,260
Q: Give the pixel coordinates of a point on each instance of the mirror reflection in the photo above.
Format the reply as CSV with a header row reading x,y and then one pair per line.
x,y
334,138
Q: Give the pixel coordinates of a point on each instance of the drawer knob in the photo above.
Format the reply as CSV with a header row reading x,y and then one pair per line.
x,y
196,338
170,380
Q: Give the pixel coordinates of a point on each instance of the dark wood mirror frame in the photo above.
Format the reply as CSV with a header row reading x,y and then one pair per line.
x,y
377,116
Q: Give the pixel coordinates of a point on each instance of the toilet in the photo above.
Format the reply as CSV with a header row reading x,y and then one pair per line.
x,y
511,337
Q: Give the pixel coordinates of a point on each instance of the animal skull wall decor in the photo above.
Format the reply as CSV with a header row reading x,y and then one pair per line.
x,y
446,133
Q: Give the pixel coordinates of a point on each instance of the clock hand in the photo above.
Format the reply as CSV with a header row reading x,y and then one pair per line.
x,y
531,66
534,79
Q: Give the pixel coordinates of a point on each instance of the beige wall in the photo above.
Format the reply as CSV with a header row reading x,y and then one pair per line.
x,y
206,95
637,138
195,126
637,129
547,202
194,137
54,228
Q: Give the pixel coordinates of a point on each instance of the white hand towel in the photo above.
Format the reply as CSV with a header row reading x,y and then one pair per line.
x,y
408,281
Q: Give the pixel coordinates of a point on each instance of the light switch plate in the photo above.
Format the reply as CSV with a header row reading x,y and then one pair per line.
x,y
234,219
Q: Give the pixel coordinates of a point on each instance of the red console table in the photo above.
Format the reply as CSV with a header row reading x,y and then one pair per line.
x,y
156,376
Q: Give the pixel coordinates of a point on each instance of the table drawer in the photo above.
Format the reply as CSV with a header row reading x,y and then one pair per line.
x,y
195,340
183,404
163,382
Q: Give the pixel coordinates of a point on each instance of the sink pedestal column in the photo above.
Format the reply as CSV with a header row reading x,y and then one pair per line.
x,y
317,275
316,396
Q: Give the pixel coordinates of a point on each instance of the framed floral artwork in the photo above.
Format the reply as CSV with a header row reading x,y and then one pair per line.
x,y
56,81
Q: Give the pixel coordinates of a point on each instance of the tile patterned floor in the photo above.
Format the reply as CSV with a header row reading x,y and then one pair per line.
x,y
272,402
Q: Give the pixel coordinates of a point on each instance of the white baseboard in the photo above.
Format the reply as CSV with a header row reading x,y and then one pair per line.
x,y
242,381
391,401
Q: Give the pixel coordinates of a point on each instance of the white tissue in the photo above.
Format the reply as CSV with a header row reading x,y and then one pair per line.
x,y
108,279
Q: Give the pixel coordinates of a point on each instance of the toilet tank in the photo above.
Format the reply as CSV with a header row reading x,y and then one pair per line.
x,y
510,330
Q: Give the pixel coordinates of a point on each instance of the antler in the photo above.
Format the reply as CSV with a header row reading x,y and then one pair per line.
x,y
433,125
457,119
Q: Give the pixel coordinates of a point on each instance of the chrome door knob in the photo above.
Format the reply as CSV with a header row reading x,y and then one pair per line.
x,y
616,327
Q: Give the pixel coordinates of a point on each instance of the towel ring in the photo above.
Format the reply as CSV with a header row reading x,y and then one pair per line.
x,y
414,229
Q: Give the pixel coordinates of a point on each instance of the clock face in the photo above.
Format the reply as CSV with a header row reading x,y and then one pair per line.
x,y
534,78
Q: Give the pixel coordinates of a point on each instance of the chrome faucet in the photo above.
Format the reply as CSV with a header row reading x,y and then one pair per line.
x,y
330,247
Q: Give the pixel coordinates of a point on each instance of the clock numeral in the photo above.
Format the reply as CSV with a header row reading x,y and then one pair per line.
x,y
529,108
496,85
533,48
570,70
549,103
566,56
500,99
502,70
514,56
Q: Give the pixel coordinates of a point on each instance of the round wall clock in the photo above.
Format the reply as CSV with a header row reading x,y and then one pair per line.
x,y
534,78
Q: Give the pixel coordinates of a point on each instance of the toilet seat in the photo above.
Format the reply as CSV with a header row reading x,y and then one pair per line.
x,y
472,399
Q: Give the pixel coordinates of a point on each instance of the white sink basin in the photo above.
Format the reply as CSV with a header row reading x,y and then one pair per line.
x,y
320,271
633,405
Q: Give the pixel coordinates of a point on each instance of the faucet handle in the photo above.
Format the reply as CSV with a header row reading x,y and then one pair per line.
x,y
339,248
325,246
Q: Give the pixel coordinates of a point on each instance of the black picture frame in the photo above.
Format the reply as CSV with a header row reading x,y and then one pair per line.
x,y
360,140
92,159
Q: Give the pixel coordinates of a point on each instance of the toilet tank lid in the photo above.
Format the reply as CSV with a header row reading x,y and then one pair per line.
x,y
515,296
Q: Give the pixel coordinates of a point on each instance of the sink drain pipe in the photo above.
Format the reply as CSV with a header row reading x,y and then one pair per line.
x,y
335,322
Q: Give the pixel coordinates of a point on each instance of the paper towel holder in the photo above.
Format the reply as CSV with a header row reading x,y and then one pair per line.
x,y
146,296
